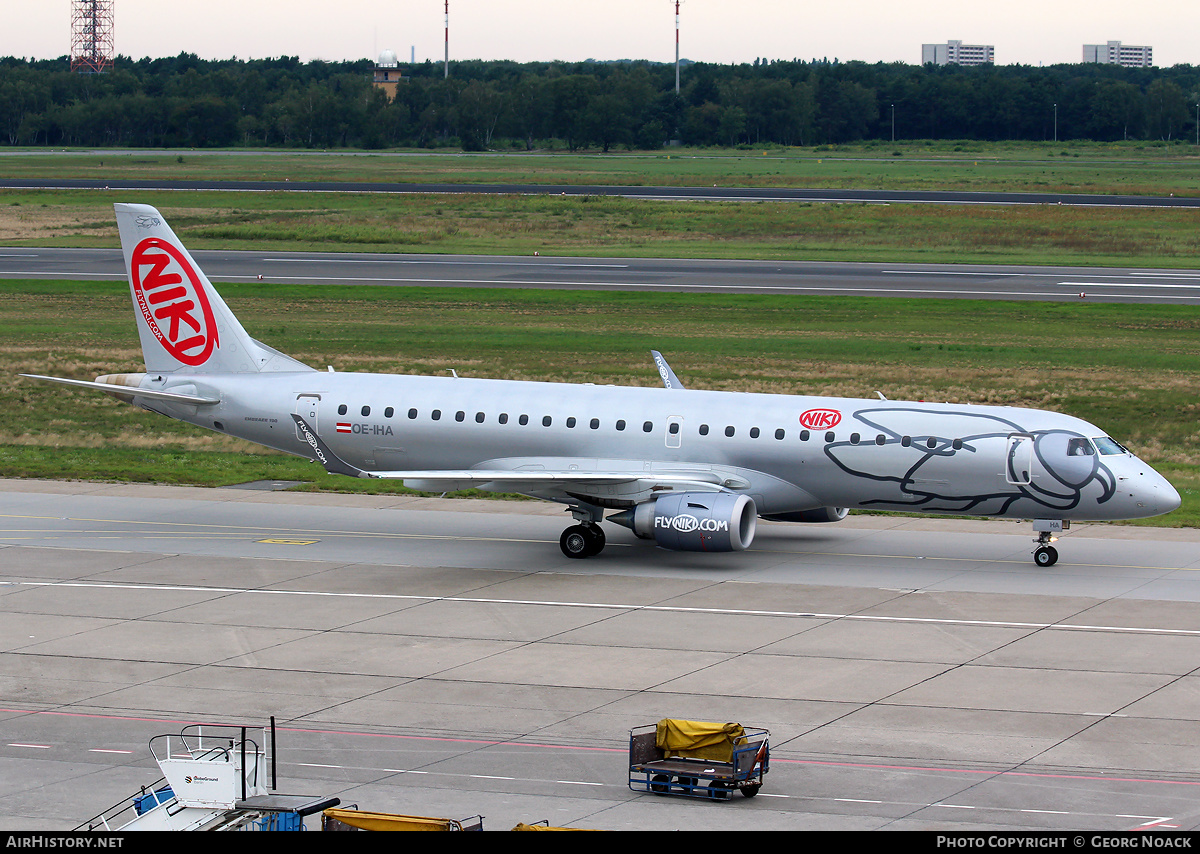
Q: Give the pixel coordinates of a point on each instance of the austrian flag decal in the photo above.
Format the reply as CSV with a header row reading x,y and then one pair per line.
x,y
172,301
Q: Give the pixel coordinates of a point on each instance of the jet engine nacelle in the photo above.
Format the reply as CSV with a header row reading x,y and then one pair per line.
x,y
694,521
820,514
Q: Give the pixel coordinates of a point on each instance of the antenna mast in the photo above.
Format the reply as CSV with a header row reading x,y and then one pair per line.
x,y
677,2
92,35
447,38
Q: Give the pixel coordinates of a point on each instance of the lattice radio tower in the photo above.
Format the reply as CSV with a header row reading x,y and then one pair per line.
x,y
91,35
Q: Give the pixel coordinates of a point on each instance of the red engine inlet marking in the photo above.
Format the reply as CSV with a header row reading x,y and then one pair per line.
x,y
172,301
820,419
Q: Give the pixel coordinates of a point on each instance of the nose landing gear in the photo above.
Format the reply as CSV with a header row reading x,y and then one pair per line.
x,y
1045,554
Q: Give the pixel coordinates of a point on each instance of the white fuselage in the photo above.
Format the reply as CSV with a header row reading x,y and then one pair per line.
x,y
789,453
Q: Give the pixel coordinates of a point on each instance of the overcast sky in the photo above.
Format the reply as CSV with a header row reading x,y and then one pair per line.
x,y
1028,32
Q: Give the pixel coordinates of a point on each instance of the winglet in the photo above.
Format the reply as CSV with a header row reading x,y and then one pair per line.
x,y
332,462
664,370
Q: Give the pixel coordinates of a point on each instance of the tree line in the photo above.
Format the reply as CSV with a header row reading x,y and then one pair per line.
x,y
185,101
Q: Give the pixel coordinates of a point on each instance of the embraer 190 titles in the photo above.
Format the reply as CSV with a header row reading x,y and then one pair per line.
x,y
692,470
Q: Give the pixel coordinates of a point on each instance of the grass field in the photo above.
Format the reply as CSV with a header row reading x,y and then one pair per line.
x,y
608,226
1076,167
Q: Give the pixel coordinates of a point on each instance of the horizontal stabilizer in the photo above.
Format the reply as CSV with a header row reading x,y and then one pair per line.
x,y
126,392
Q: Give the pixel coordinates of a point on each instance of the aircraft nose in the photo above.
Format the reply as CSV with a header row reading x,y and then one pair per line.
x,y
1168,497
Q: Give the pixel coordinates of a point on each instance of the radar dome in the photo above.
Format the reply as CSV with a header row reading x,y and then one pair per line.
x,y
387,59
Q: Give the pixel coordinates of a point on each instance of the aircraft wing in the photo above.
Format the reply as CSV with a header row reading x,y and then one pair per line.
x,y
523,480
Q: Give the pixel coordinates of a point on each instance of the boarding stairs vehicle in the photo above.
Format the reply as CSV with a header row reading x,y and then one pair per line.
x,y
698,759
214,778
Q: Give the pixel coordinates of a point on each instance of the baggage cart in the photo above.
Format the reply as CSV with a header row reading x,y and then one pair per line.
x,y
698,759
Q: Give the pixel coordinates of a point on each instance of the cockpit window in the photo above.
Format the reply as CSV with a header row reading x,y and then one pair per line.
x,y
1080,447
1108,447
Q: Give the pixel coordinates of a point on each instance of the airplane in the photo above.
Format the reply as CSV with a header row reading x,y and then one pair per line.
x,y
692,470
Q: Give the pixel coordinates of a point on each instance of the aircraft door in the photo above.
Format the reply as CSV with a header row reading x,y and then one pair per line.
x,y
1018,459
674,434
307,407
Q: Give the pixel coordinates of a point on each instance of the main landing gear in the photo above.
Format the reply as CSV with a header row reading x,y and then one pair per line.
x,y
580,541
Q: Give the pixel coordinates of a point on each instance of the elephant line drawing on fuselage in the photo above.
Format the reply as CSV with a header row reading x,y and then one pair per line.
x,y
1050,468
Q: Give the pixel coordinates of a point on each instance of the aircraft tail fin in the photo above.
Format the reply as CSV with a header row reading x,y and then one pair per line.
x,y
182,321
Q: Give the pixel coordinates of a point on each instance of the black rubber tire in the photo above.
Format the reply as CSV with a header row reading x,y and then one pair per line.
x,y
1045,556
598,539
576,542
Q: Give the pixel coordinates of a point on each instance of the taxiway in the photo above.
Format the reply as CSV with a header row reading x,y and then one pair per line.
x,y
440,657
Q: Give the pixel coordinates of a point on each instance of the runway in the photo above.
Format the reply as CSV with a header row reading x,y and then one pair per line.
x,y
947,281
441,657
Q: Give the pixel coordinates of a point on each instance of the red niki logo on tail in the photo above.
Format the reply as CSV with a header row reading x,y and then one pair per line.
x,y
172,300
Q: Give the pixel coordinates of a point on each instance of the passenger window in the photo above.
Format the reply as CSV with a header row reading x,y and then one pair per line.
x,y
854,437
829,436
547,421
389,412
342,409
478,417
647,427
753,432
779,434
621,424
729,431
412,413
460,415
595,424
436,415
931,442
503,419
571,421
673,428
956,444
523,420
880,439
804,434
703,429
366,410
906,441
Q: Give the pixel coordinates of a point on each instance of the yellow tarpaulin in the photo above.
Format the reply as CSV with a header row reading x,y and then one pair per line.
x,y
387,821
698,739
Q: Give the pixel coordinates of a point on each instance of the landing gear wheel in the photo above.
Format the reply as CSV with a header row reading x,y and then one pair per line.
x,y
580,541
1045,556
598,539
576,542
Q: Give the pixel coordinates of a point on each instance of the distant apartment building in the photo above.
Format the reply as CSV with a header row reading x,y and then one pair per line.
x,y
957,53
1115,53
